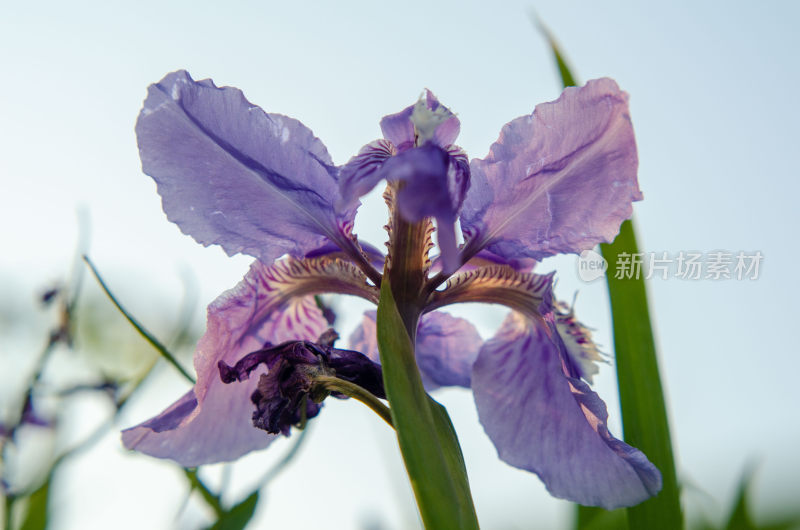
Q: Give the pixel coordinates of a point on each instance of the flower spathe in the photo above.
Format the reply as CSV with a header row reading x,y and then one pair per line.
x,y
559,180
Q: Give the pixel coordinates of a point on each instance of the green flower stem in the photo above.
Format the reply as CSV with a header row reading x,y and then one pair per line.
x,y
334,384
9,508
211,498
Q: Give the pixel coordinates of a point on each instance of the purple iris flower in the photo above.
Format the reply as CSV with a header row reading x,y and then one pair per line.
x,y
560,180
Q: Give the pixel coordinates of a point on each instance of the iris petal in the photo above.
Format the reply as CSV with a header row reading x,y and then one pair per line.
x,y
363,171
428,192
558,181
544,421
446,348
399,128
212,423
231,174
416,150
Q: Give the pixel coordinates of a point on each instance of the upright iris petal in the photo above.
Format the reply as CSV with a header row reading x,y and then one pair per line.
x,y
560,180
416,151
401,130
231,174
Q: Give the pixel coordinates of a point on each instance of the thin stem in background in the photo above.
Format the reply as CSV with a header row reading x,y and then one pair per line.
x,y
142,331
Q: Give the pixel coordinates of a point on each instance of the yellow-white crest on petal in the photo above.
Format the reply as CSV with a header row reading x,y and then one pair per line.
x,y
577,338
426,121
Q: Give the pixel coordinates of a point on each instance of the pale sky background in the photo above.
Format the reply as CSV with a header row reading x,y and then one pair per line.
x,y
713,100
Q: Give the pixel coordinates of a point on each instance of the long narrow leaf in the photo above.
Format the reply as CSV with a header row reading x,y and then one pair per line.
x,y
239,516
36,512
740,518
431,453
567,79
644,413
453,457
593,518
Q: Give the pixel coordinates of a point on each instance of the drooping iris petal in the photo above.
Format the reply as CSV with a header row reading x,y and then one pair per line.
x,y
530,294
541,420
486,257
365,337
560,180
273,294
212,422
446,348
231,174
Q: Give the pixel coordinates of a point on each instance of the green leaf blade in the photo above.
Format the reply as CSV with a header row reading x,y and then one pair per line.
x,y
239,516
427,441
594,518
567,79
36,511
644,411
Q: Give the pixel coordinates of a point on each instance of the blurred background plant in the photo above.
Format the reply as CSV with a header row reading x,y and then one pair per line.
x,y
91,358
96,355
